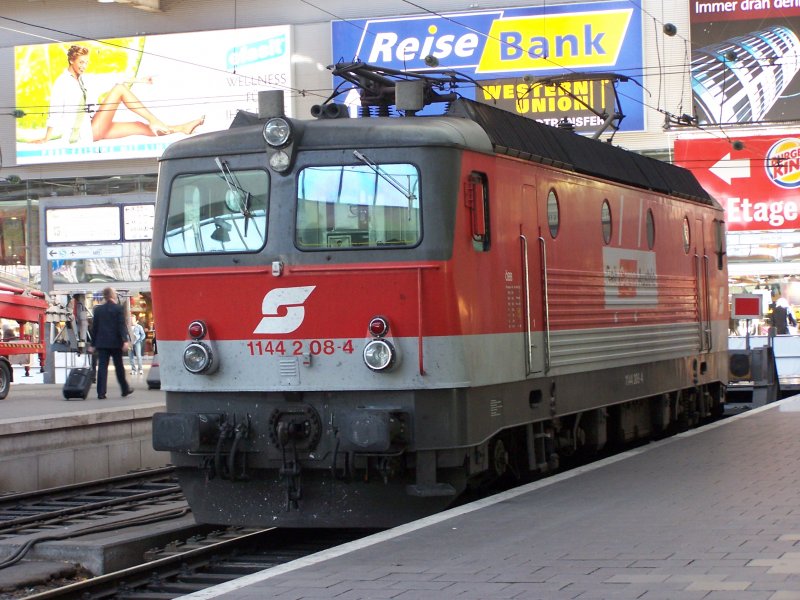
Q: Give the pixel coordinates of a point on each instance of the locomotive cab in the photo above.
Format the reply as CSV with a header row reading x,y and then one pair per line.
x,y
318,228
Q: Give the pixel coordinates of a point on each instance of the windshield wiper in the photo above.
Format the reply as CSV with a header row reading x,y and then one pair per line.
x,y
242,194
387,177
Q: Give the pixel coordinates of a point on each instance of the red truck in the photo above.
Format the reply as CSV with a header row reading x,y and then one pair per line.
x,y
28,309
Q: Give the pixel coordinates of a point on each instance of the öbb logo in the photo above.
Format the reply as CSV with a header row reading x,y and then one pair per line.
x,y
292,298
782,163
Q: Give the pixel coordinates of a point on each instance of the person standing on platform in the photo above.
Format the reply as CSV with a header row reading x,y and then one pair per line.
x,y
782,317
137,342
110,339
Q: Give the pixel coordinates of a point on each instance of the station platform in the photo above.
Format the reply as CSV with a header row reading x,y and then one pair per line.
x,y
711,514
47,441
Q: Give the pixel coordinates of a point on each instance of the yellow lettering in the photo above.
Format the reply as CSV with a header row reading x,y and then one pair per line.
x,y
491,92
569,41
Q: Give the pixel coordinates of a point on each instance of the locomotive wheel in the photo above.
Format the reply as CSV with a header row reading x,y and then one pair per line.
x,y
498,458
717,396
5,380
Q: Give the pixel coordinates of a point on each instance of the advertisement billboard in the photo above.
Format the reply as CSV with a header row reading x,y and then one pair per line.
x,y
745,61
132,97
756,183
509,52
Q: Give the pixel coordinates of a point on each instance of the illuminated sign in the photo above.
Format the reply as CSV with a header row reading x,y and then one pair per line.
x,y
552,103
783,163
746,306
83,251
137,95
138,221
499,47
68,225
755,184
745,60
403,43
571,41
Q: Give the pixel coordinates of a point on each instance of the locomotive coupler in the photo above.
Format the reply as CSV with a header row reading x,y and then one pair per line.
x,y
290,471
292,431
295,429
296,424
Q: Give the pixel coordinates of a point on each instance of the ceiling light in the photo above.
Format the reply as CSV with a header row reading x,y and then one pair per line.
x,y
148,5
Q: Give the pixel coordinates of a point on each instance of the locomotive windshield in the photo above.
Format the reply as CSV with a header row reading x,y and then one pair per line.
x,y
358,206
224,211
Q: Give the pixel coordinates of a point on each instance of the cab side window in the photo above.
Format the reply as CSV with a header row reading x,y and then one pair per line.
x,y
476,198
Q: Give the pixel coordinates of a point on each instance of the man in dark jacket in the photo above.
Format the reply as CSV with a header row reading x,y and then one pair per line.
x,y
110,339
782,317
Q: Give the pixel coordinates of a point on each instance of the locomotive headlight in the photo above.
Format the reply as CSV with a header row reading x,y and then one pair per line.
x,y
379,355
277,132
197,357
279,161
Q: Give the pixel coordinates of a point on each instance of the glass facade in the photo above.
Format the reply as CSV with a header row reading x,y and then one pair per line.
x,y
20,241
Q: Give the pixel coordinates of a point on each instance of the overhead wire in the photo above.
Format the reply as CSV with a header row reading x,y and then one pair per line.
x,y
660,70
656,108
687,71
658,57
120,46
35,109
632,72
334,15
175,101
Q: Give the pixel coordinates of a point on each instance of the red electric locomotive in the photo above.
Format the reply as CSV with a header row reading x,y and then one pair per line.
x,y
361,318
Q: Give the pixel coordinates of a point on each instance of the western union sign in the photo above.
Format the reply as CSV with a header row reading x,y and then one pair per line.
x,y
543,98
568,101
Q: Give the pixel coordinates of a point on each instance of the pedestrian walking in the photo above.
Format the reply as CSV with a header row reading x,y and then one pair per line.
x,y
137,343
110,339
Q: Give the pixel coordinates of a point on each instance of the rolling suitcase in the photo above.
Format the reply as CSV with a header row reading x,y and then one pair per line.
x,y
78,383
154,375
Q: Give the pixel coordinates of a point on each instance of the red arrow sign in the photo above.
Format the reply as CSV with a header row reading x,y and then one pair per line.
x,y
757,185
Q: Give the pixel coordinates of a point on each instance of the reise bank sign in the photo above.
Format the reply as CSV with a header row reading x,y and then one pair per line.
x,y
499,48
137,95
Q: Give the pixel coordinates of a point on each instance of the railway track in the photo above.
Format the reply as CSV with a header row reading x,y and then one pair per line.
x,y
201,563
183,566
28,512
32,523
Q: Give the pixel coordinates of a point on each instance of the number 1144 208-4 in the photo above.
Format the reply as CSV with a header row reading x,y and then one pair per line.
x,y
299,347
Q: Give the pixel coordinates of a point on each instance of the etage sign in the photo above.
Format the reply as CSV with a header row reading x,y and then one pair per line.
x,y
757,184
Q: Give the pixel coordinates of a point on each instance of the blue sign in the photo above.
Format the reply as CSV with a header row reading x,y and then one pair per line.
x,y
505,46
